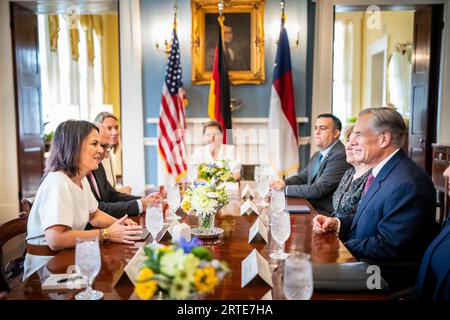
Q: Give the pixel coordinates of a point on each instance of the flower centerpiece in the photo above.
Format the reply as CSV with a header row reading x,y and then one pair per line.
x,y
219,170
205,199
179,271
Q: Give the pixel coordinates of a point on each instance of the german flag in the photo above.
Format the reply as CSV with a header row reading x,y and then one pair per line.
x,y
219,90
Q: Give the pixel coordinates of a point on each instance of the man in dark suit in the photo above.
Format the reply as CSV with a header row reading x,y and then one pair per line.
x,y
238,57
395,218
109,199
320,178
434,276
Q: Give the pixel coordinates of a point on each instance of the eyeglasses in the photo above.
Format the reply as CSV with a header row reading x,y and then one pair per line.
x,y
106,147
208,135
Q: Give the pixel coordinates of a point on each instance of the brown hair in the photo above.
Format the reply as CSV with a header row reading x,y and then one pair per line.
x,y
348,131
66,146
212,123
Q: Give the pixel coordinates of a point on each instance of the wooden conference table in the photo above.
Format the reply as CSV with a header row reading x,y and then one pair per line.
x,y
232,247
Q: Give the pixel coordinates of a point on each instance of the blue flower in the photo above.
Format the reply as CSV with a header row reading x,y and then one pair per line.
x,y
189,245
199,183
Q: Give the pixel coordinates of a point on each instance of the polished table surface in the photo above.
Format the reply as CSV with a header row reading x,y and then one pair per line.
x,y
232,247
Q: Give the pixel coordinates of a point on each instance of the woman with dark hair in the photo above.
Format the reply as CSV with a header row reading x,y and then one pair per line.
x,y
112,161
64,203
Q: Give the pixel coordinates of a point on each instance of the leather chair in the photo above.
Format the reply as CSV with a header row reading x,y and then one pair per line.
x,y
13,271
25,205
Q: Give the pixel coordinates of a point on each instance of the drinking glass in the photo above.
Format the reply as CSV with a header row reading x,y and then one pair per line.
x,y
88,261
173,199
298,277
277,200
263,187
280,229
154,221
192,173
256,174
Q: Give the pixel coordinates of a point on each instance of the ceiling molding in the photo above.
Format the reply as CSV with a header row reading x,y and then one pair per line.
x,y
75,6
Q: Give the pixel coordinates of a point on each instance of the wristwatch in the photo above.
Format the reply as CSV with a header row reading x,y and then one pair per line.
x,y
104,233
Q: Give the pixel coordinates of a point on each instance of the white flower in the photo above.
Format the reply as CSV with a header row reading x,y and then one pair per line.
x,y
220,164
172,261
215,263
212,195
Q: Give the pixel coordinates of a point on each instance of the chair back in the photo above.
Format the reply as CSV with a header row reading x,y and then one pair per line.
x,y
8,231
25,206
248,171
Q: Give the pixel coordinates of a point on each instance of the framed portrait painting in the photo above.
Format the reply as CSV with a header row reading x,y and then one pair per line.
x,y
243,40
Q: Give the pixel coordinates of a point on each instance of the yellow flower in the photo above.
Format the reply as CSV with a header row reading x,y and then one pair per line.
x,y
186,205
205,279
165,249
145,287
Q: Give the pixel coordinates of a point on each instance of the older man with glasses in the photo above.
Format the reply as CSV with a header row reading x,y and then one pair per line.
x,y
394,222
109,199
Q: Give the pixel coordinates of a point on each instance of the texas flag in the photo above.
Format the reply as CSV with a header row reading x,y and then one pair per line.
x,y
282,144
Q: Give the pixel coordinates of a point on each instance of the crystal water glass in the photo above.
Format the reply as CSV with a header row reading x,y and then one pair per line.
x,y
88,262
154,221
277,200
280,229
173,199
298,277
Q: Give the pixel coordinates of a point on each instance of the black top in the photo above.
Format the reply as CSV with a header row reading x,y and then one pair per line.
x,y
348,193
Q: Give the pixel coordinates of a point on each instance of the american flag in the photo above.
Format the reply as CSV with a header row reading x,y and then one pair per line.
x,y
172,121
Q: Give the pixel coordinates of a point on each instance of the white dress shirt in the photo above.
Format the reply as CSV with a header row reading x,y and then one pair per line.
x,y
226,152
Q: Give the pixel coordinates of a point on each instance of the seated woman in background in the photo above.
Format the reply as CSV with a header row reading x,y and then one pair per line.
x,y
64,202
216,150
434,276
113,160
348,193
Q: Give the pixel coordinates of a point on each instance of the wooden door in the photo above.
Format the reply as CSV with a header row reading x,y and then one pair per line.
x,y
28,99
425,83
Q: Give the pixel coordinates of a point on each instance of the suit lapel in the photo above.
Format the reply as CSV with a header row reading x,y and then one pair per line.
x,y
324,160
376,185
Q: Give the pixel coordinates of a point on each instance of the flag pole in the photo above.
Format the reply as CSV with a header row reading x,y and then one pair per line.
x,y
283,15
221,17
175,9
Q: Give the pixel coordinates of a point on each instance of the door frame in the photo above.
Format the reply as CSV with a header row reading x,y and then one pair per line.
x,y
322,94
375,48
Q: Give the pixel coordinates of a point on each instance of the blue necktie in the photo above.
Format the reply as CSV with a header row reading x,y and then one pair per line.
x,y
317,165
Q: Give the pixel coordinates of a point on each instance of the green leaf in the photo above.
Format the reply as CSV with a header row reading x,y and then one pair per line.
x,y
202,253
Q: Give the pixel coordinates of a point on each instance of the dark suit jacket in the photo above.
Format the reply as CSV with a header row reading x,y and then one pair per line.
x,y
395,218
434,275
112,201
319,189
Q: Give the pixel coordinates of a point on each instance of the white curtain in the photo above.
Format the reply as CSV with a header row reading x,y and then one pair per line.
x,y
400,69
342,70
71,89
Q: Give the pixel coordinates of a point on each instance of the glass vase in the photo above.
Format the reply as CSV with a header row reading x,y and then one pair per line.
x,y
205,222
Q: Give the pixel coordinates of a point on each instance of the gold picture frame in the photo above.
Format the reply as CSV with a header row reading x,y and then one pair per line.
x,y
245,18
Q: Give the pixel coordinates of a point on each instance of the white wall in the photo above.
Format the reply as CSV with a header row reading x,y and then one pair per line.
x,y
9,184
